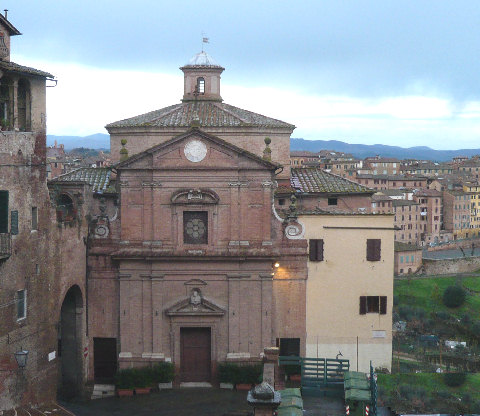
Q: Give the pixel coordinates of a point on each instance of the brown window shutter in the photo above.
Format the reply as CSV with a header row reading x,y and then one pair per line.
x,y
383,305
378,249
312,250
320,250
363,305
374,249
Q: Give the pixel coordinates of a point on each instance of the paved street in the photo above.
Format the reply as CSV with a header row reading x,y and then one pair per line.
x,y
191,402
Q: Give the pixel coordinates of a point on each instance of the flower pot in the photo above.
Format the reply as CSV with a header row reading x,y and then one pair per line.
x,y
228,386
243,386
124,392
142,390
295,377
163,386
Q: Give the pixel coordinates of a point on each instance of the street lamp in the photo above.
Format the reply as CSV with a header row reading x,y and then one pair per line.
x,y
21,358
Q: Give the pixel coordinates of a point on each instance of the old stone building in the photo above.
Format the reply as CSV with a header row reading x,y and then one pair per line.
x,y
42,257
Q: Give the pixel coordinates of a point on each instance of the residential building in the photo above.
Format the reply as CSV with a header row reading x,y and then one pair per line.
x,y
382,182
349,288
407,220
456,213
408,258
302,157
381,165
473,190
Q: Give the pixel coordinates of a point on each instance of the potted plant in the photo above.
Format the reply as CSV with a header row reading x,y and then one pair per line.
x,y
163,374
124,382
248,375
142,380
227,375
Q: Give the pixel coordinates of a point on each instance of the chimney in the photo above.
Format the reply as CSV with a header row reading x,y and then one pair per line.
x,y
6,13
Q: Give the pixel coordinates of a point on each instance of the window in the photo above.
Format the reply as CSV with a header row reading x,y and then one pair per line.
x,y
3,211
401,259
281,201
21,304
332,201
195,227
315,250
34,218
289,346
373,249
201,85
373,304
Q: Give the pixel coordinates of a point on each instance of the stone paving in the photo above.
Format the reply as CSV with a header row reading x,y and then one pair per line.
x,y
52,409
191,402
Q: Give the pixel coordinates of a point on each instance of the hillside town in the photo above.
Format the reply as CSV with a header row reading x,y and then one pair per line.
x,y
200,252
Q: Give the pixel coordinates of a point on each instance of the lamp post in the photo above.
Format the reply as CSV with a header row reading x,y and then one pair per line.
x,y
21,358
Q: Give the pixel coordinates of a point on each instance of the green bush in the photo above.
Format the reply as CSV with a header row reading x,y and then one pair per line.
x,y
163,372
228,372
249,374
125,379
454,296
454,379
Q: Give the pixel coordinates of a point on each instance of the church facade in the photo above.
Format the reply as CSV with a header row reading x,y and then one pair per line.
x,y
195,268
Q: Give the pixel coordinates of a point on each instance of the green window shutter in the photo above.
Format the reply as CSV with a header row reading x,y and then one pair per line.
x,y
3,211
14,222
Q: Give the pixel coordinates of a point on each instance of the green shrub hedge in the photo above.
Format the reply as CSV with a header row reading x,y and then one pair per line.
x,y
130,378
240,373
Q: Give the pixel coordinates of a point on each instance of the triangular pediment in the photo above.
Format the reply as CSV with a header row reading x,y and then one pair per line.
x,y
192,307
195,149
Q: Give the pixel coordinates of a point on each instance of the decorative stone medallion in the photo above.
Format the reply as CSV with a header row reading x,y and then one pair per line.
x,y
195,151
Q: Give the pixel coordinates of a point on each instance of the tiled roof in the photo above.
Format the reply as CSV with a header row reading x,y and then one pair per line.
x,y
391,177
207,113
300,153
12,66
404,202
99,178
312,180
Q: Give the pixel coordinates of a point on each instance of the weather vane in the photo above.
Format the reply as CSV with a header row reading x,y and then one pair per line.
x,y
204,40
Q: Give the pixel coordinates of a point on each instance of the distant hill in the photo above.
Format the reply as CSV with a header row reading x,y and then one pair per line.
x,y
362,150
94,141
102,141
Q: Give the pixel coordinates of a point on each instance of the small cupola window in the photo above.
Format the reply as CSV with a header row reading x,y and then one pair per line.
x,y
201,85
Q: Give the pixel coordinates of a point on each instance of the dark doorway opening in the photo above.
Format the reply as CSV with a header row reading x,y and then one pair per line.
x,y
195,354
70,345
104,359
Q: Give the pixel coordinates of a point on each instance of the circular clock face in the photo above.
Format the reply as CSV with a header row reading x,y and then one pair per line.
x,y
195,150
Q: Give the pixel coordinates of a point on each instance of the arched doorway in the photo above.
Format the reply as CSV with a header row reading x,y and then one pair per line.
x,y
70,344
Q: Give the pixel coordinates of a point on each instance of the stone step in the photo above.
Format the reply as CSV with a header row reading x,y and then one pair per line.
x,y
101,391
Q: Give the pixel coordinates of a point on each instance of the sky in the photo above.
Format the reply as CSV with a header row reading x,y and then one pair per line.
x,y
403,73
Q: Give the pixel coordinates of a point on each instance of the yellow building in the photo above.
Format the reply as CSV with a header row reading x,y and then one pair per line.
x,y
473,190
350,287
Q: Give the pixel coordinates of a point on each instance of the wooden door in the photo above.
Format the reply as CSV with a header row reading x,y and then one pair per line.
x,y
195,352
104,359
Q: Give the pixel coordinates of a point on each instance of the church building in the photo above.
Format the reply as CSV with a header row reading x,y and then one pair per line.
x,y
195,267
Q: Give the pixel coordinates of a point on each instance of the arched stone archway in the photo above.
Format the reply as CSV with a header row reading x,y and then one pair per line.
x,y
70,377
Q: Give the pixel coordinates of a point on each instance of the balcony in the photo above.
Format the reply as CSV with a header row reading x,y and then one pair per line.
x,y
5,245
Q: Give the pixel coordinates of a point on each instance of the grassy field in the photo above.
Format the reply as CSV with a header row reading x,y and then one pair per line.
x,y
426,293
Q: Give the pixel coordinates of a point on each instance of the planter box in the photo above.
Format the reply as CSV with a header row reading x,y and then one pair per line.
x,y
142,390
228,386
245,387
295,377
163,386
124,392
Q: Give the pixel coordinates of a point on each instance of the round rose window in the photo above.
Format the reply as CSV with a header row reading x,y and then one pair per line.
x,y
195,228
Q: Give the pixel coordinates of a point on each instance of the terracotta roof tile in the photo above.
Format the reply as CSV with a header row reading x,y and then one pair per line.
x,y
208,114
99,178
313,180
